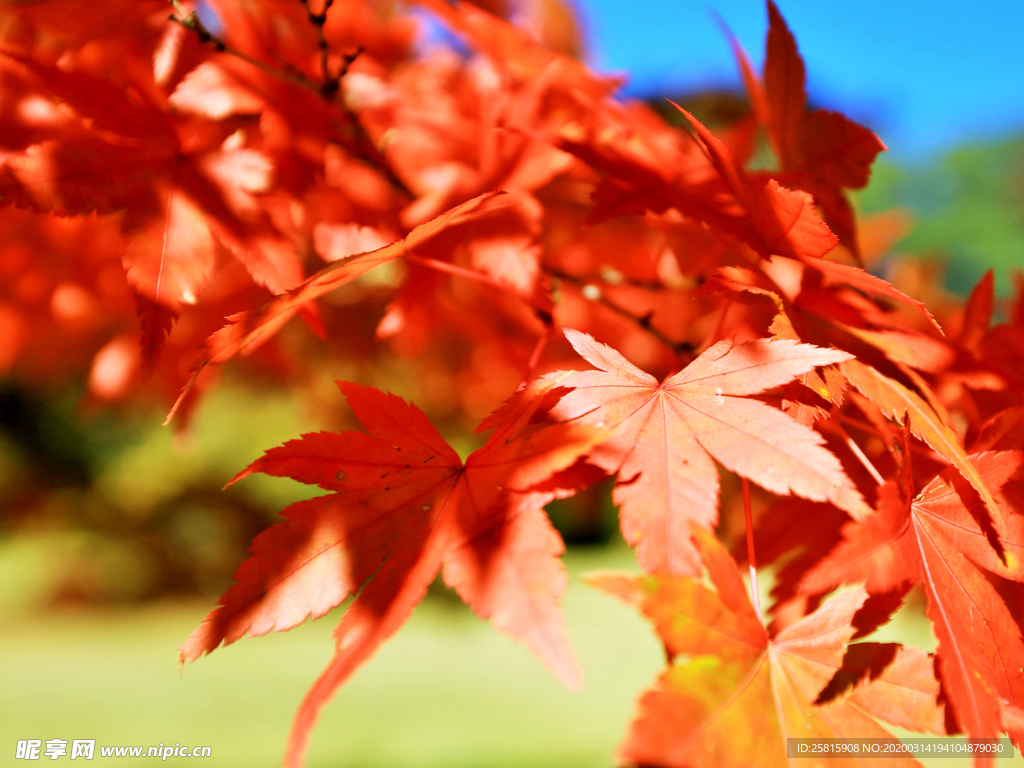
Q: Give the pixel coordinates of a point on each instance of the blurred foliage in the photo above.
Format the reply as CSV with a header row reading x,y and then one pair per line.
x,y
968,210
112,507
105,506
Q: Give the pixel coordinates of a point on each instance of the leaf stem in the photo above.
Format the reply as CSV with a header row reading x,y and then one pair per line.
x,y
721,318
454,269
873,430
861,456
184,393
541,344
755,592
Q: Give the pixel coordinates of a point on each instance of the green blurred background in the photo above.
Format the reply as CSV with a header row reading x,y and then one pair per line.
x,y
116,539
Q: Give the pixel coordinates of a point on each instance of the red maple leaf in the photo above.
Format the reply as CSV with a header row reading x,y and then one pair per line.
x,y
404,506
936,540
819,151
737,693
664,435
180,189
896,401
708,185
247,330
211,181
783,221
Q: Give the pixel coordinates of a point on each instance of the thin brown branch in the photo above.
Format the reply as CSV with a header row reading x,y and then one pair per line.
x,y
613,277
330,83
358,143
190,21
346,62
593,292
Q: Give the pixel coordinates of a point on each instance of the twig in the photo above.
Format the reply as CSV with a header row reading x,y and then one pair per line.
x,y
613,277
346,61
358,143
331,83
593,293
330,88
190,21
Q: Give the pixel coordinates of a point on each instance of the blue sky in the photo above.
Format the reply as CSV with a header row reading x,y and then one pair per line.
x,y
925,76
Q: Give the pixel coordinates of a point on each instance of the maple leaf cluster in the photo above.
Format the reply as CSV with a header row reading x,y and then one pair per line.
x,y
626,300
